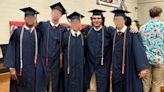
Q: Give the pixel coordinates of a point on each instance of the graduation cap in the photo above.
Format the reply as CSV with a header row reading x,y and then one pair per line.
x,y
97,12
75,15
58,6
120,12
29,11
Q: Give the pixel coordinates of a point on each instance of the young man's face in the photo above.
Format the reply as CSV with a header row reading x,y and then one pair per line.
x,y
75,24
97,20
30,20
119,21
56,15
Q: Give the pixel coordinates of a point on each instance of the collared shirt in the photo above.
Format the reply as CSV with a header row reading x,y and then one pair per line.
x,y
97,29
153,40
52,24
122,30
75,34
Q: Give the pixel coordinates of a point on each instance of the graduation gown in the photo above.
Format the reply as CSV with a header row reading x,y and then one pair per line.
x,y
135,61
93,54
49,48
74,79
12,60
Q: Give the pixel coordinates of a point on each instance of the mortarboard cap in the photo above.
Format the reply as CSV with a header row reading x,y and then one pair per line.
x,y
58,6
97,12
29,11
75,15
120,12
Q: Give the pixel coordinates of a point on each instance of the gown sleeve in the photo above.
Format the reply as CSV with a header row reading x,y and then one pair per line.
x,y
140,57
39,28
9,60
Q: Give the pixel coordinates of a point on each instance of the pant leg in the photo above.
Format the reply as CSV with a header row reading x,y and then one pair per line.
x,y
102,79
118,82
41,75
13,87
55,81
93,82
61,82
158,77
147,81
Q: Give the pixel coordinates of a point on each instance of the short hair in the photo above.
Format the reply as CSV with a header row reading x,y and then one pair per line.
x,y
128,21
155,11
103,20
137,23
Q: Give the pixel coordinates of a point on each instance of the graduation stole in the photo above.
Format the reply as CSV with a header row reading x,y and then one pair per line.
x,y
61,51
1,54
21,50
124,53
102,48
69,43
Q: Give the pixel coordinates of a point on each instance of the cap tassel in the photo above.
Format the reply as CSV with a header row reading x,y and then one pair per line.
x,y
111,74
102,61
21,71
68,71
35,61
61,60
123,69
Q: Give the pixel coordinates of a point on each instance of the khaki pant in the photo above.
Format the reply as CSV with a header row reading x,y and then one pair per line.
x,y
154,79
93,83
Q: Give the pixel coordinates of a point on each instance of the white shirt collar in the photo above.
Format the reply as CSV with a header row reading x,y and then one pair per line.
x,y
74,33
52,24
122,30
27,28
97,29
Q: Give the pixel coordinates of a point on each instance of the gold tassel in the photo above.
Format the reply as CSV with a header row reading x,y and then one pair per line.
x,y
123,69
102,61
68,70
35,60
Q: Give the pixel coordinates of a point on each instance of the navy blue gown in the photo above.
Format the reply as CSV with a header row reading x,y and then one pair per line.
x,y
12,60
93,54
135,61
49,45
74,80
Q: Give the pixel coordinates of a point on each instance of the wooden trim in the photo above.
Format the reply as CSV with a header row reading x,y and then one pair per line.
x,y
5,82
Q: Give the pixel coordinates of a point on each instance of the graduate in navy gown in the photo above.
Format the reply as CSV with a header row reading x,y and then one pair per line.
x,y
98,44
129,61
21,55
50,50
73,43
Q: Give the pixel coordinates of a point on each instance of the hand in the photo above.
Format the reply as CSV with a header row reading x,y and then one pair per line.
x,y
142,73
13,74
134,29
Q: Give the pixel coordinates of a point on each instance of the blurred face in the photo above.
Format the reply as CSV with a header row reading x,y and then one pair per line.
x,y
56,15
119,21
75,24
97,21
30,20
